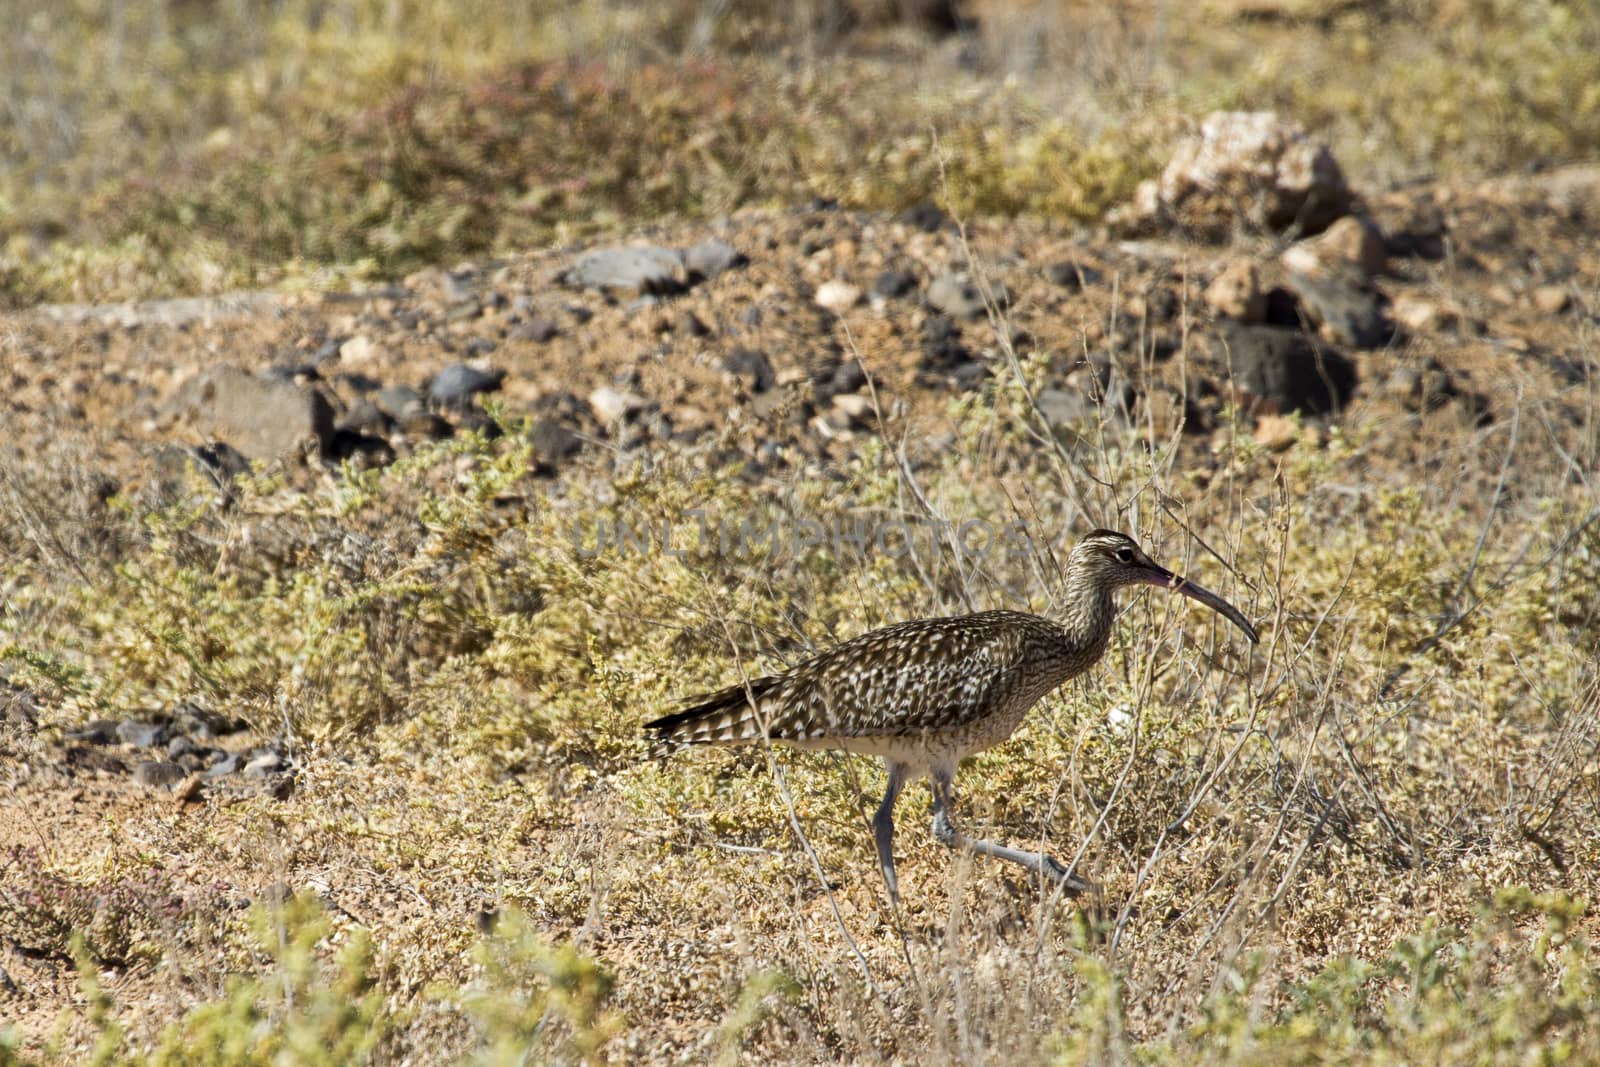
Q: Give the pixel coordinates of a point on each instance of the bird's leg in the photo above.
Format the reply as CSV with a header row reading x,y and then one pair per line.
x,y
943,779
883,826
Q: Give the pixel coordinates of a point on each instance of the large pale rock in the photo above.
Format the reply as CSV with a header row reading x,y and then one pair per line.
x,y
263,418
1243,168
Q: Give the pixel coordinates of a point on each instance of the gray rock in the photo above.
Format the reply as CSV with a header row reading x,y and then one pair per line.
x,y
263,419
228,764
158,773
363,417
925,216
399,402
1070,275
710,258
94,732
646,269
457,384
689,325
958,297
261,766
553,441
142,734
1350,313
893,284
199,721
539,330
1287,370
751,367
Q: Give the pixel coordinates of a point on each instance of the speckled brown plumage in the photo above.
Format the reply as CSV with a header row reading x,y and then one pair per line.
x,y
926,693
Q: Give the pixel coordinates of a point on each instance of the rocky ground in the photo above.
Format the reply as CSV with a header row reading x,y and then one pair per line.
x,y
774,345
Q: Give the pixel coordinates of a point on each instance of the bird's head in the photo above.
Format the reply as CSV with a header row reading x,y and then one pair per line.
x,y
1110,560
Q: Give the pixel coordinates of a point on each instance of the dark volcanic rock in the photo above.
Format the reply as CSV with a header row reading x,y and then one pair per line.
x,y
1350,313
457,384
158,773
926,216
143,734
751,367
892,284
1287,370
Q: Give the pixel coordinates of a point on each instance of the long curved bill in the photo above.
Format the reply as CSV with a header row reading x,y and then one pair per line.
x,y
1164,578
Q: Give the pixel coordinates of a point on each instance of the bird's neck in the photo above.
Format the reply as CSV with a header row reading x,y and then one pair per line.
x,y
1087,613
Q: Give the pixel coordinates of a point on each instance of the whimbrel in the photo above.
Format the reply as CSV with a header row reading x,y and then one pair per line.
x,y
925,694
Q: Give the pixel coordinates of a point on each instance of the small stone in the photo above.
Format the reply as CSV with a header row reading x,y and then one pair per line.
x,y
264,764
95,732
1070,275
1416,314
158,773
1236,292
399,402
925,216
457,384
957,297
1552,299
611,406
893,284
1276,432
553,441
202,722
142,734
750,367
689,325
854,410
710,258
359,349
189,789
179,746
838,296
228,764
537,330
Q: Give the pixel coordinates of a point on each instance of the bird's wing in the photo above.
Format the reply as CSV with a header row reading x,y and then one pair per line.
x,y
927,675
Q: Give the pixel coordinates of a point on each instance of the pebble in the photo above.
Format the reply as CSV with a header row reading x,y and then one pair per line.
x,y
611,406
710,258
457,384
893,284
142,734
1552,299
158,773
838,296
958,297
751,367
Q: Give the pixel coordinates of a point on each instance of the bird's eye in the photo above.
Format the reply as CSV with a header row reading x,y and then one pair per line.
x,y
1124,555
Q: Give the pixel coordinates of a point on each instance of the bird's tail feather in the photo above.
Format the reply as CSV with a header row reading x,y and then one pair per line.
x,y
729,716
